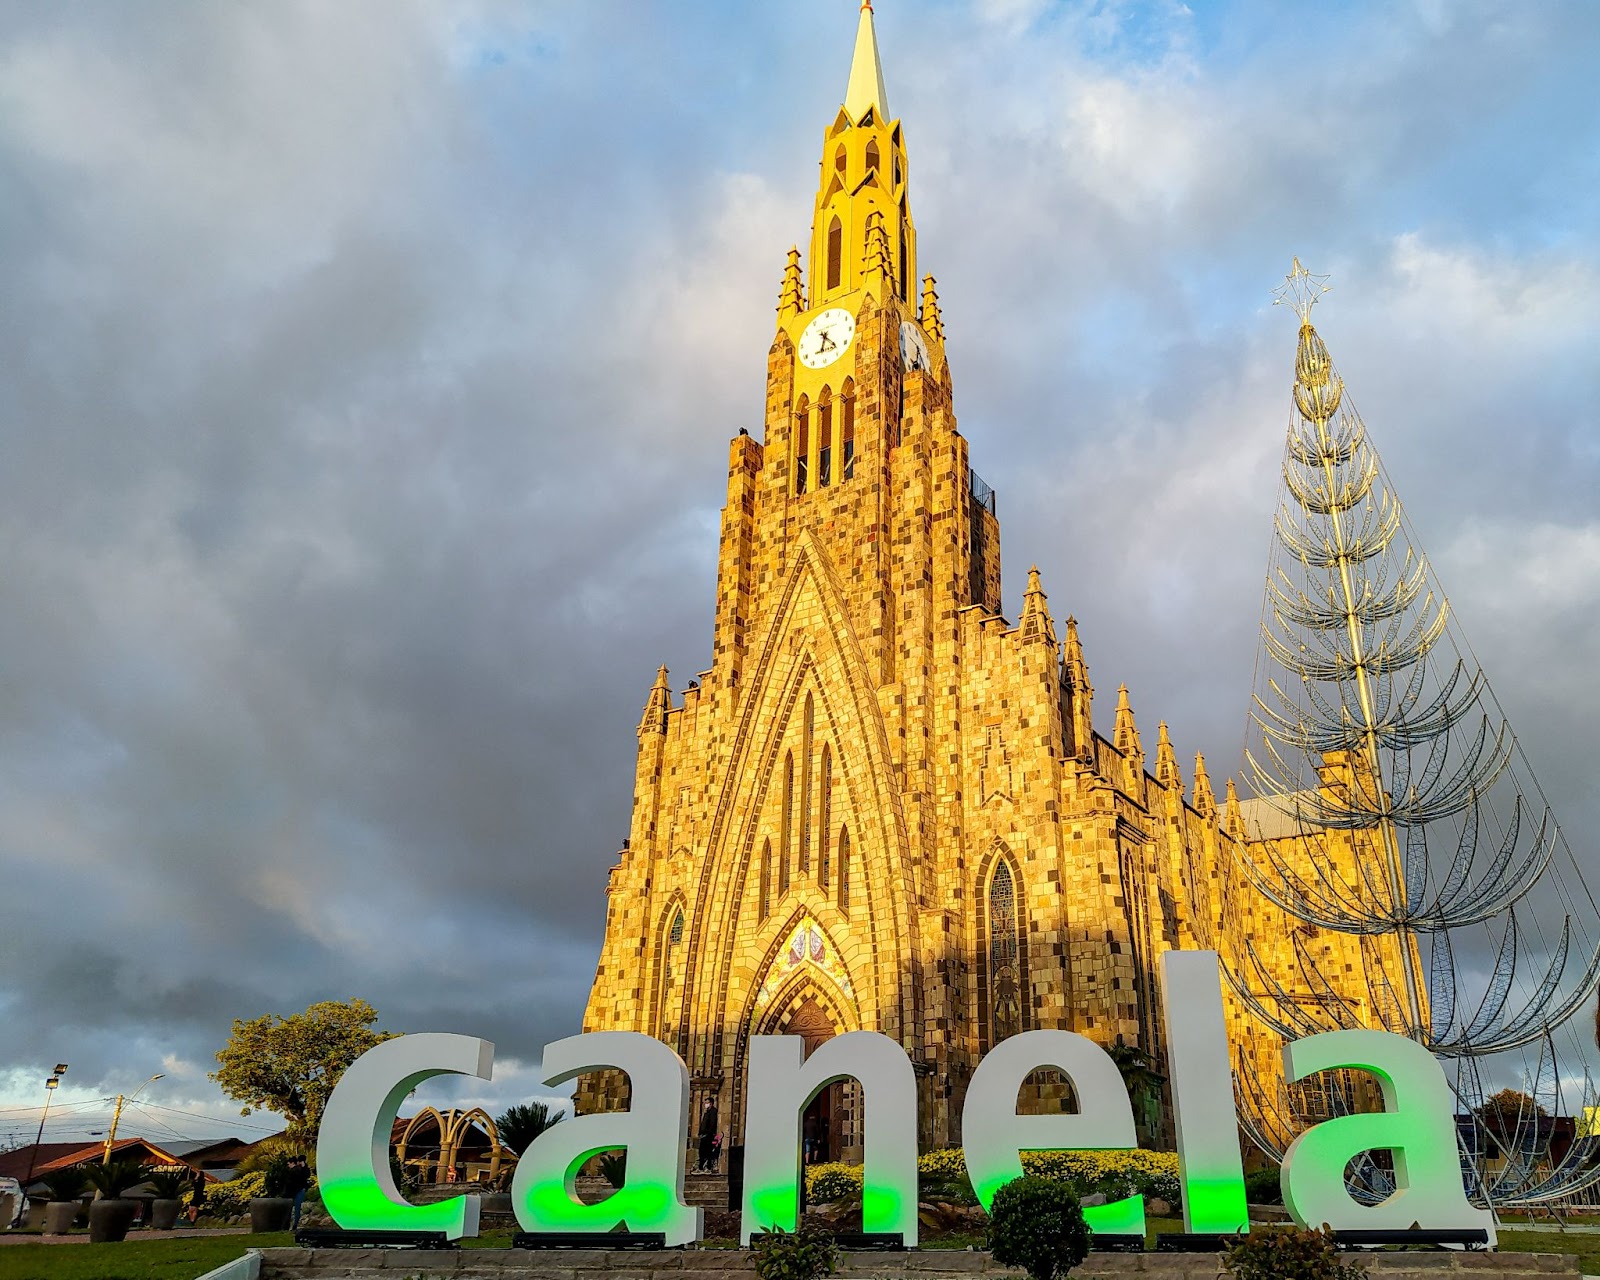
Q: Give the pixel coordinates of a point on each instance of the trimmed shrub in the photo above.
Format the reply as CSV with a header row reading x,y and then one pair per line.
x,y
1288,1253
806,1254
1263,1186
275,1176
1036,1224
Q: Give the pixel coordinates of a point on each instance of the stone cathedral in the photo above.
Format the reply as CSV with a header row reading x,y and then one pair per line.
x,y
886,806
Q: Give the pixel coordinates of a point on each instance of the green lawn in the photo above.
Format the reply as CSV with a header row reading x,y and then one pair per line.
x,y
186,1259
130,1260
1586,1248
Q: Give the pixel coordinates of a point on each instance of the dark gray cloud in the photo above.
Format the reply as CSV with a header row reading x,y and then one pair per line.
x,y
365,381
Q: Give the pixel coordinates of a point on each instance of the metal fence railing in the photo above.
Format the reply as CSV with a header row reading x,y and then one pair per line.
x,y
981,492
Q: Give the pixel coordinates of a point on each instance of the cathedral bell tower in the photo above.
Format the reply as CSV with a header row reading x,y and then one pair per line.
x,y
858,434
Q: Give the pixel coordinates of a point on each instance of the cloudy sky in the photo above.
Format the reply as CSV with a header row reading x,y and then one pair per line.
x,y
367,370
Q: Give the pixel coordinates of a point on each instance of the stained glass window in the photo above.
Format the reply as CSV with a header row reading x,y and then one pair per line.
x,y
671,953
1005,957
844,869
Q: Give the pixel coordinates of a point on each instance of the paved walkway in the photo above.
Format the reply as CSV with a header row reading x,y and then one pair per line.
x,y
82,1237
1555,1228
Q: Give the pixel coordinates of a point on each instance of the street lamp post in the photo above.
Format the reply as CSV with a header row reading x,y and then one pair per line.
x,y
116,1115
49,1092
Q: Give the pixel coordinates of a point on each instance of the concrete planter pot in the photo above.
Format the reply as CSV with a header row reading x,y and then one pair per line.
x,y
110,1219
164,1214
58,1216
270,1214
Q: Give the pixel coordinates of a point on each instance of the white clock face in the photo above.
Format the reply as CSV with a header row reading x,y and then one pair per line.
x,y
914,347
827,338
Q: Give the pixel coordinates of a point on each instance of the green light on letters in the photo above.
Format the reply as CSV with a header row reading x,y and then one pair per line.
x,y
1210,1170
1417,1124
353,1141
995,1136
543,1190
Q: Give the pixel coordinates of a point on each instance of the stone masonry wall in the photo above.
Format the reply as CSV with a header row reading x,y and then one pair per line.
x,y
726,1264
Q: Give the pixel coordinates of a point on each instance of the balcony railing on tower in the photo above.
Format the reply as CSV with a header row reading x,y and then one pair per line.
x,y
982,494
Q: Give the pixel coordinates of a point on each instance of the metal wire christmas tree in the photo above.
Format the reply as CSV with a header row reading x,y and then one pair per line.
x,y
1393,811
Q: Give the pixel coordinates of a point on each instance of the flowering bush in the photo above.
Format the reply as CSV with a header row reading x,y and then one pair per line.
x,y
232,1198
1113,1173
828,1183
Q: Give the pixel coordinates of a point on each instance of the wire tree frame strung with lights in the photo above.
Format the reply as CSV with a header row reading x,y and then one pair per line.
x,y
1461,913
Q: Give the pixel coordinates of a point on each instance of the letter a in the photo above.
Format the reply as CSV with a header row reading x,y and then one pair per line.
x,y
543,1193
1417,1124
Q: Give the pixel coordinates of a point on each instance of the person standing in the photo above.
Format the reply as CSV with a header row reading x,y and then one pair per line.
x,y
298,1181
709,1121
197,1197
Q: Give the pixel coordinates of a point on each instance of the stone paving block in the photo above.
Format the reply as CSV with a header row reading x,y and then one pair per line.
x,y
951,1260
717,1260
419,1261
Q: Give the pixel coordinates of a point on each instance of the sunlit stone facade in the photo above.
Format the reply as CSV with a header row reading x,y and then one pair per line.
x,y
885,805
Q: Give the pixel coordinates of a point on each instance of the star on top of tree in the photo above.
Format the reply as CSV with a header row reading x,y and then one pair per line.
x,y
1300,290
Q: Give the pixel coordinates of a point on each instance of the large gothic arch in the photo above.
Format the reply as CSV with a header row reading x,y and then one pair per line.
x,y
809,646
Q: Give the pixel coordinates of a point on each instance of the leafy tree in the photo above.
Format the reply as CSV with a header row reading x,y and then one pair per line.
x,y
519,1125
1508,1114
290,1065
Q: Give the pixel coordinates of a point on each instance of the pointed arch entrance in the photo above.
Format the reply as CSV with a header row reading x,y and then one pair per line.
x,y
808,993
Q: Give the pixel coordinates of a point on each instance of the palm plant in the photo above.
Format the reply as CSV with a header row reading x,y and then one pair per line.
x,y
169,1184
518,1126
614,1168
115,1180
66,1184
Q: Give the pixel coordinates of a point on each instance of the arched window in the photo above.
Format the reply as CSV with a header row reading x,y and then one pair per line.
x,y
824,440
897,170
835,252
766,878
844,869
825,822
805,784
872,155
838,158
786,836
905,239
671,956
1006,979
847,431
802,443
